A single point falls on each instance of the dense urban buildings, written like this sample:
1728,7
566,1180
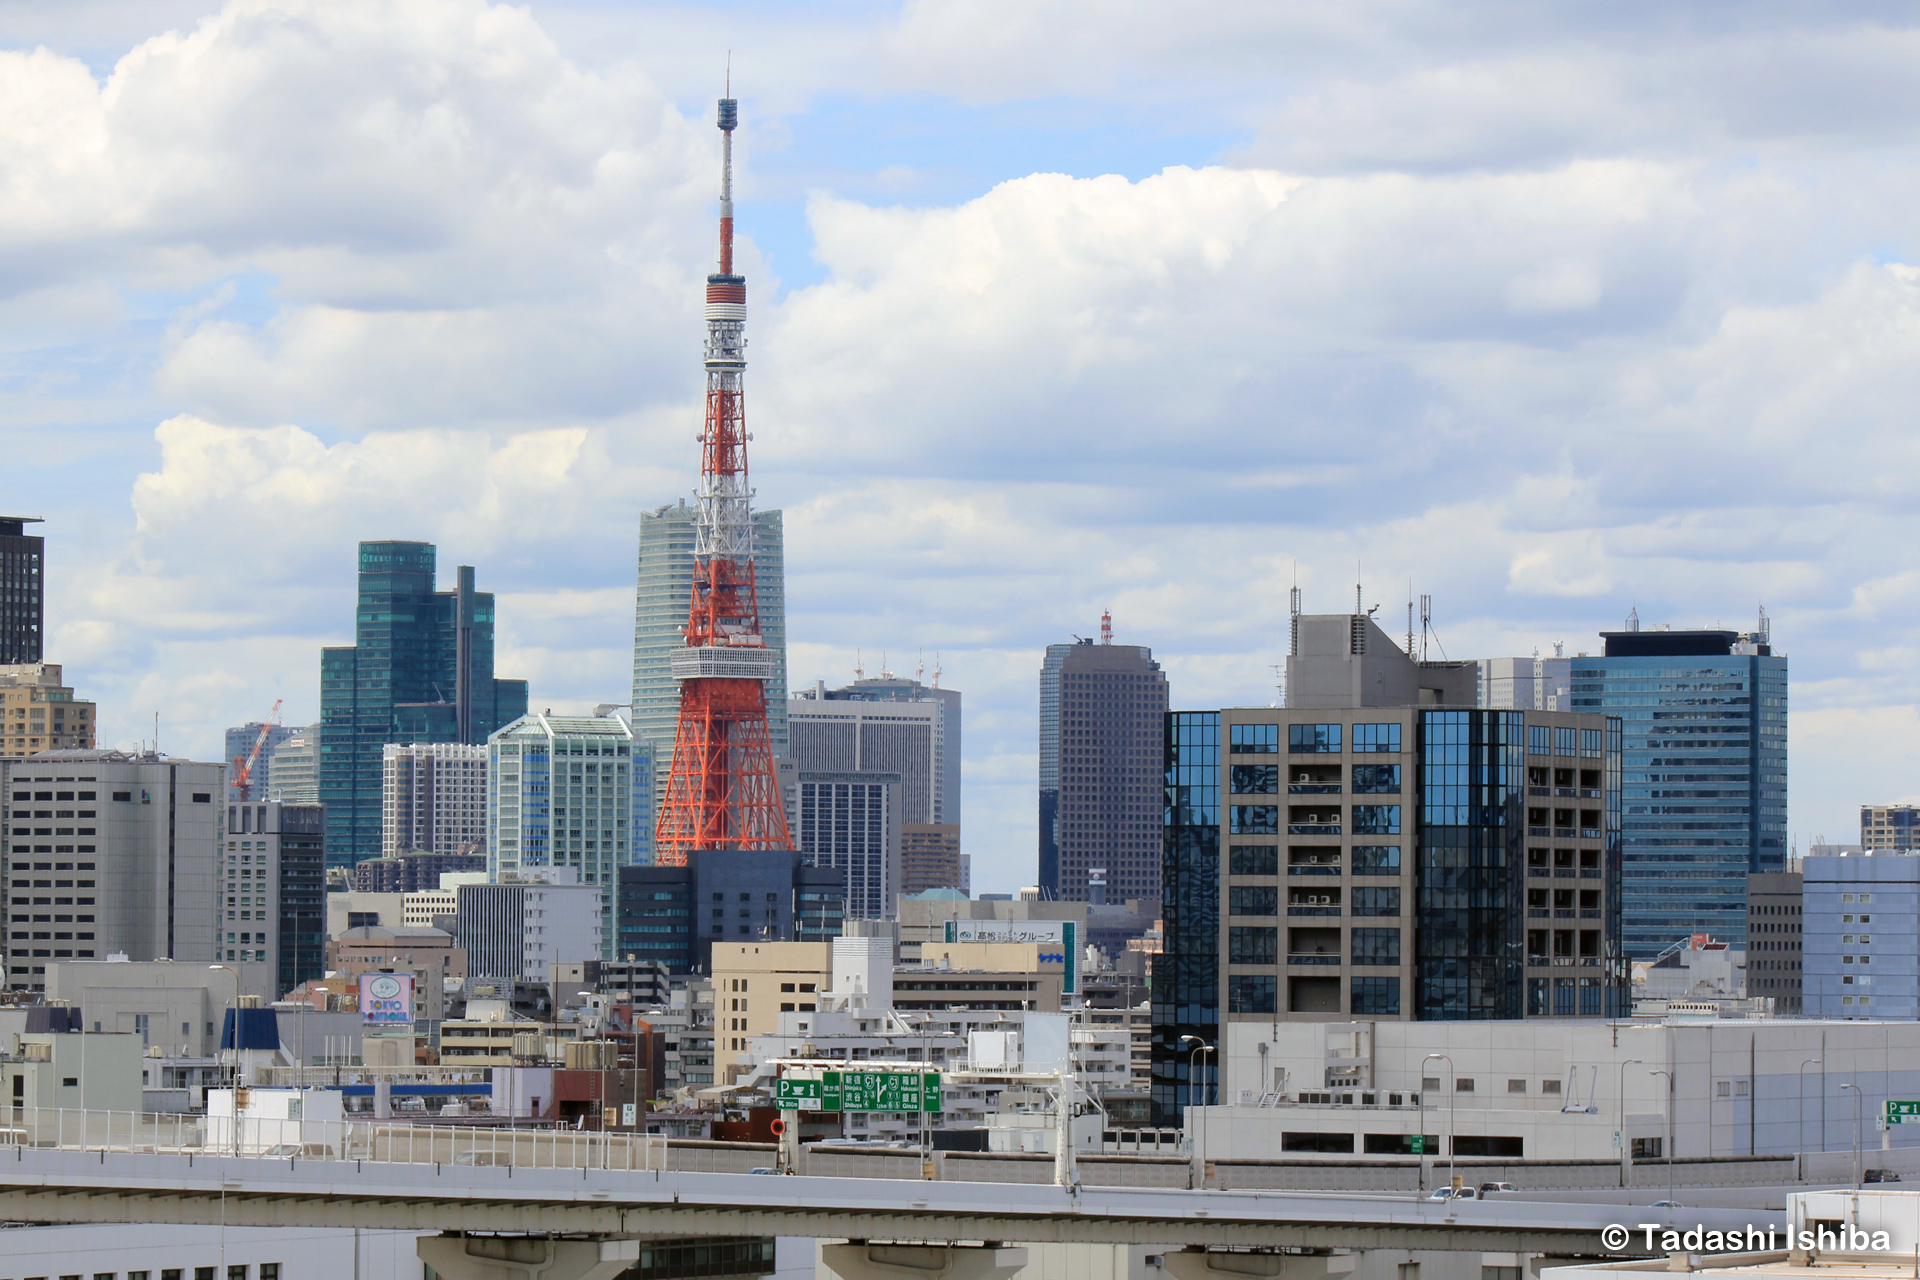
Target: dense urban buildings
415,872
23,592
1860,939
109,852
665,585
1774,963
433,798
39,713
561,795
1102,710
1527,684
1705,782
1889,826
1383,848
273,909
674,915
849,822
420,670
240,748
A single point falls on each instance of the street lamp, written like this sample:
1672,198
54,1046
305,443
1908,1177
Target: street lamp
1452,1129
1670,1153
1802,1103
1193,1082
1857,1095
1626,1174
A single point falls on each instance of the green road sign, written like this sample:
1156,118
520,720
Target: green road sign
1902,1112
912,1091
1419,1144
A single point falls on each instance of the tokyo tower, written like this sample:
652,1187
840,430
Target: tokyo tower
721,792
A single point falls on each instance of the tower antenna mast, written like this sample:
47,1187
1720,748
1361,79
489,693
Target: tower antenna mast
721,792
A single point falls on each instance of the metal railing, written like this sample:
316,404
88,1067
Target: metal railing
160,1133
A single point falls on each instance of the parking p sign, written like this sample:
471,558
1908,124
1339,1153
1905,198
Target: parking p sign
1899,1112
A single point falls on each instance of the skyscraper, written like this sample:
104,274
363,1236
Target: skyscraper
420,670
891,724
664,589
1705,774
1102,713
23,592
434,798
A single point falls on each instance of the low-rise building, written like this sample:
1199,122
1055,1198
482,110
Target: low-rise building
1774,963
428,955
172,1006
355,910
517,928
1861,936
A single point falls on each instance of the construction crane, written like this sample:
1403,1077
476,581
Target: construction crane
243,766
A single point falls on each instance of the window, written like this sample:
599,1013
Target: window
1376,946
1253,900
1516,1086
1253,819
1252,944
1310,738
1539,740
1376,779
1376,738
1250,993
1376,900
1376,819
1256,779
1398,1144
1468,1144
1549,1086
1565,741
203,797
1254,860
1499,1273
1463,1085
1254,739
1648,1148
1337,1144
1378,997
1590,744
1376,860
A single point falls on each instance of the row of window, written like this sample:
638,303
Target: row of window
1401,1144
1264,779
1264,820
235,1271
1259,944
1311,739
1308,860
1264,900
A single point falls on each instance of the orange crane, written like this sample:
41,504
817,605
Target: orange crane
243,767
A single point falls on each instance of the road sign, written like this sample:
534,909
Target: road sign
913,1091
1419,1144
1899,1112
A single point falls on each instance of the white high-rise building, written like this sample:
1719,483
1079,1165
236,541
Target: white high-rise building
1527,684
433,798
106,851
294,776
520,928
562,793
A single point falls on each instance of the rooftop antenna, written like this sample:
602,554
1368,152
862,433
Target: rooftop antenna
1633,619
921,669
885,674
1426,623
1293,612
1766,626
1356,588
1106,627
1279,670
936,668
1409,617
859,666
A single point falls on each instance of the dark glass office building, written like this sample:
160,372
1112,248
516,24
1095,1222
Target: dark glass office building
1186,973
23,592
676,914
420,670
1704,775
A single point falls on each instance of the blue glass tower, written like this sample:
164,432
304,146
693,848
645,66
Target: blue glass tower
1704,775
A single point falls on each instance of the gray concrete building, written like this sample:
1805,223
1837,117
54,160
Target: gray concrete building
433,798
171,1006
873,734
273,902
851,823
1102,715
109,852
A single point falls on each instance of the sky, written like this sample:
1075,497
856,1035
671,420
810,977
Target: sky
1547,311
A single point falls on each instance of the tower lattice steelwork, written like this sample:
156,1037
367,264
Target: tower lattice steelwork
721,793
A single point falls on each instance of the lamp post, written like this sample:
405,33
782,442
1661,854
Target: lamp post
1626,1168
602,1070
1857,1095
233,1066
1193,1090
1452,1129
1801,1102
1670,1152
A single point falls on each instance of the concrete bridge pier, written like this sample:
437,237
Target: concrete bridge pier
1255,1264
454,1256
856,1261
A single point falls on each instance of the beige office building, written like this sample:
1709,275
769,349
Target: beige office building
39,713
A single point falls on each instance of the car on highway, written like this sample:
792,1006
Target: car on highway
1496,1186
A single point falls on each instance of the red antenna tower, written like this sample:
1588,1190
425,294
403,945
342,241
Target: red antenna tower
721,792
1106,627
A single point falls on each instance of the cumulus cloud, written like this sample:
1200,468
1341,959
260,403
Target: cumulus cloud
1503,305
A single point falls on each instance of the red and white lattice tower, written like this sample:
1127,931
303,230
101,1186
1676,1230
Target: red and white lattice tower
721,793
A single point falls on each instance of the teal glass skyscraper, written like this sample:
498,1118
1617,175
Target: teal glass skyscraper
1704,775
420,670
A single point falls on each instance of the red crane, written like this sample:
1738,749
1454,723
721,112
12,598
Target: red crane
243,765
721,792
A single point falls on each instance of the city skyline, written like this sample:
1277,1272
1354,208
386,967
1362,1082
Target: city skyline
1608,382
